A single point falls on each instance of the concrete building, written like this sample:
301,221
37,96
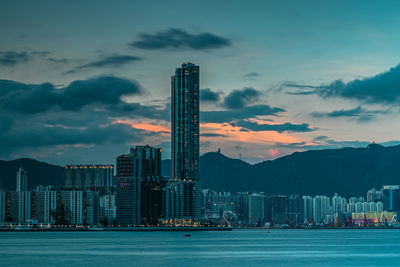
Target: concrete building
22,180
308,208
88,177
140,188
185,136
256,209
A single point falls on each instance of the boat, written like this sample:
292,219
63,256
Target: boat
187,235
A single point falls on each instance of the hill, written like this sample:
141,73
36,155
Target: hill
39,173
347,171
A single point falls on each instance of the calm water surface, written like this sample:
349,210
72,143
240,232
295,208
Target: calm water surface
236,248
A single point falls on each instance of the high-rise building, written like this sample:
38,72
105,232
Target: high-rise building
45,202
308,208
295,210
3,206
256,209
139,186
391,198
277,209
89,176
22,180
185,136
20,206
321,207
108,208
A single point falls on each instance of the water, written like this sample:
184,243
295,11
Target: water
235,248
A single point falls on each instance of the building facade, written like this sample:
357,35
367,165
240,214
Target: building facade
185,135
139,186
89,176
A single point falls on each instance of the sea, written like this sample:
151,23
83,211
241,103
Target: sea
362,247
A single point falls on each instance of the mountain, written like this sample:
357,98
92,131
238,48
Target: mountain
347,171
39,173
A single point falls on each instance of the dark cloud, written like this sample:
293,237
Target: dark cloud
212,135
252,75
361,114
41,53
285,127
241,98
178,38
58,60
51,135
381,88
11,58
30,99
221,116
111,61
207,95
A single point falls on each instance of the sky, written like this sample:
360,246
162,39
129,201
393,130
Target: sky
83,81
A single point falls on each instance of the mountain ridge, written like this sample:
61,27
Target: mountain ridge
347,171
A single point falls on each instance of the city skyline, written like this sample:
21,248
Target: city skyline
276,78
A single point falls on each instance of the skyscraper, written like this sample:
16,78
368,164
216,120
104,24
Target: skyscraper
22,180
185,123
139,188
183,194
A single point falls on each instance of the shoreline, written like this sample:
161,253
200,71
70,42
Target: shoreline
119,229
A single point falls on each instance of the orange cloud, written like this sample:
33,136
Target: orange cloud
145,126
236,133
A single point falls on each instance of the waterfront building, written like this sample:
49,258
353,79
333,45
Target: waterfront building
185,106
3,205
89,177
351,207
73,205
108,208
295,210
22,180
20,206
140,189
45,204
359,207
321,207
242,210
379,206
277,209
308,208
256,209
391,198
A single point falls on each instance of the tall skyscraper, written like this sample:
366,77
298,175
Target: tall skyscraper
139,186
22,180
185,123
184,189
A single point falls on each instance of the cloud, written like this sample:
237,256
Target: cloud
31,99
221,116
207,95
110,61
359,112
51,135
58,60
381,88
212,135
241,98
252,75
285,127
11,58
41,53
178,38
